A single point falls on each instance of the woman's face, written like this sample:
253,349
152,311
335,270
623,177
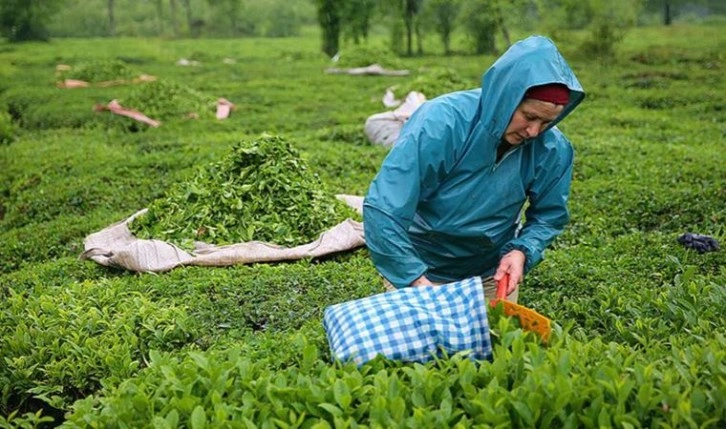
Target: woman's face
530,119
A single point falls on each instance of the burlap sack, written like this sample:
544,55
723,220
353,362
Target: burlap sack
115,246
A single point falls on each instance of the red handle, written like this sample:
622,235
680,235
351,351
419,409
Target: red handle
502,287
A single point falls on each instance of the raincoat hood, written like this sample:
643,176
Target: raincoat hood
530,62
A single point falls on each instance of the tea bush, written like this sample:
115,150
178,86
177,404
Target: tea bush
48,107
7,128
30,244
62,343
114,180
570,385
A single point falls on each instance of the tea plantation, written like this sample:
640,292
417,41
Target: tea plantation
640,340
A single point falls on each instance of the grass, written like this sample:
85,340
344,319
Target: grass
649,166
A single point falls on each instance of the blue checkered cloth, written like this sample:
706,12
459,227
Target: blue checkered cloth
412,324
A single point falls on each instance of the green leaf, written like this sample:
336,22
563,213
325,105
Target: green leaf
172,418
199,418
341,393
332,409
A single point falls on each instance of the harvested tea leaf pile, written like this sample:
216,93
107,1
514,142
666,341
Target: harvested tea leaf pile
99,71
163,100
261,191
435,82
361,56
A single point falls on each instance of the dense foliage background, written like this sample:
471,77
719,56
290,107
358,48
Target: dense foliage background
409,24
640,341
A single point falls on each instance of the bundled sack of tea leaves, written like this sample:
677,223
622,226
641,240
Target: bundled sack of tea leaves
434,82
360,56
384,128
361,61
163,100
262,190
95,71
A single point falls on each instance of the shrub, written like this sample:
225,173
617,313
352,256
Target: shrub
571,385
35,107
7,128
62,343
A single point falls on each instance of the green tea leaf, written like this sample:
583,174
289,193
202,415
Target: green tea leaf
199,418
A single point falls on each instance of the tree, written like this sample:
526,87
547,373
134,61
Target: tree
356,18
606,22
191,22
672,8
160,16
280,18
329,18
411,10
610,20
172,13
231,11
480,21
667,7
667,18
443,15
22,20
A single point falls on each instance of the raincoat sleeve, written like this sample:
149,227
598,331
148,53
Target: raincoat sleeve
547,213
424,154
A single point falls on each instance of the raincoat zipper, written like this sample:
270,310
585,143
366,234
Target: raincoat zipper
506,155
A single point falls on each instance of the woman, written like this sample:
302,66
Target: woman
446,202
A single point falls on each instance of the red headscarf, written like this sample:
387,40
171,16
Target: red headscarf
556,93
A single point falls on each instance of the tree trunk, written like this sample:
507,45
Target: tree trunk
409,14
160,16
419,37
111,19
667,18
329,20
172,13
409,36
186,4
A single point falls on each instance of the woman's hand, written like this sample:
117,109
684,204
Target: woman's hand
421,281
513,264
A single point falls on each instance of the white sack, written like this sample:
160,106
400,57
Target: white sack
384,128
373,69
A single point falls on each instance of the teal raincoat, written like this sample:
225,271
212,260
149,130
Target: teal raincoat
441,204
